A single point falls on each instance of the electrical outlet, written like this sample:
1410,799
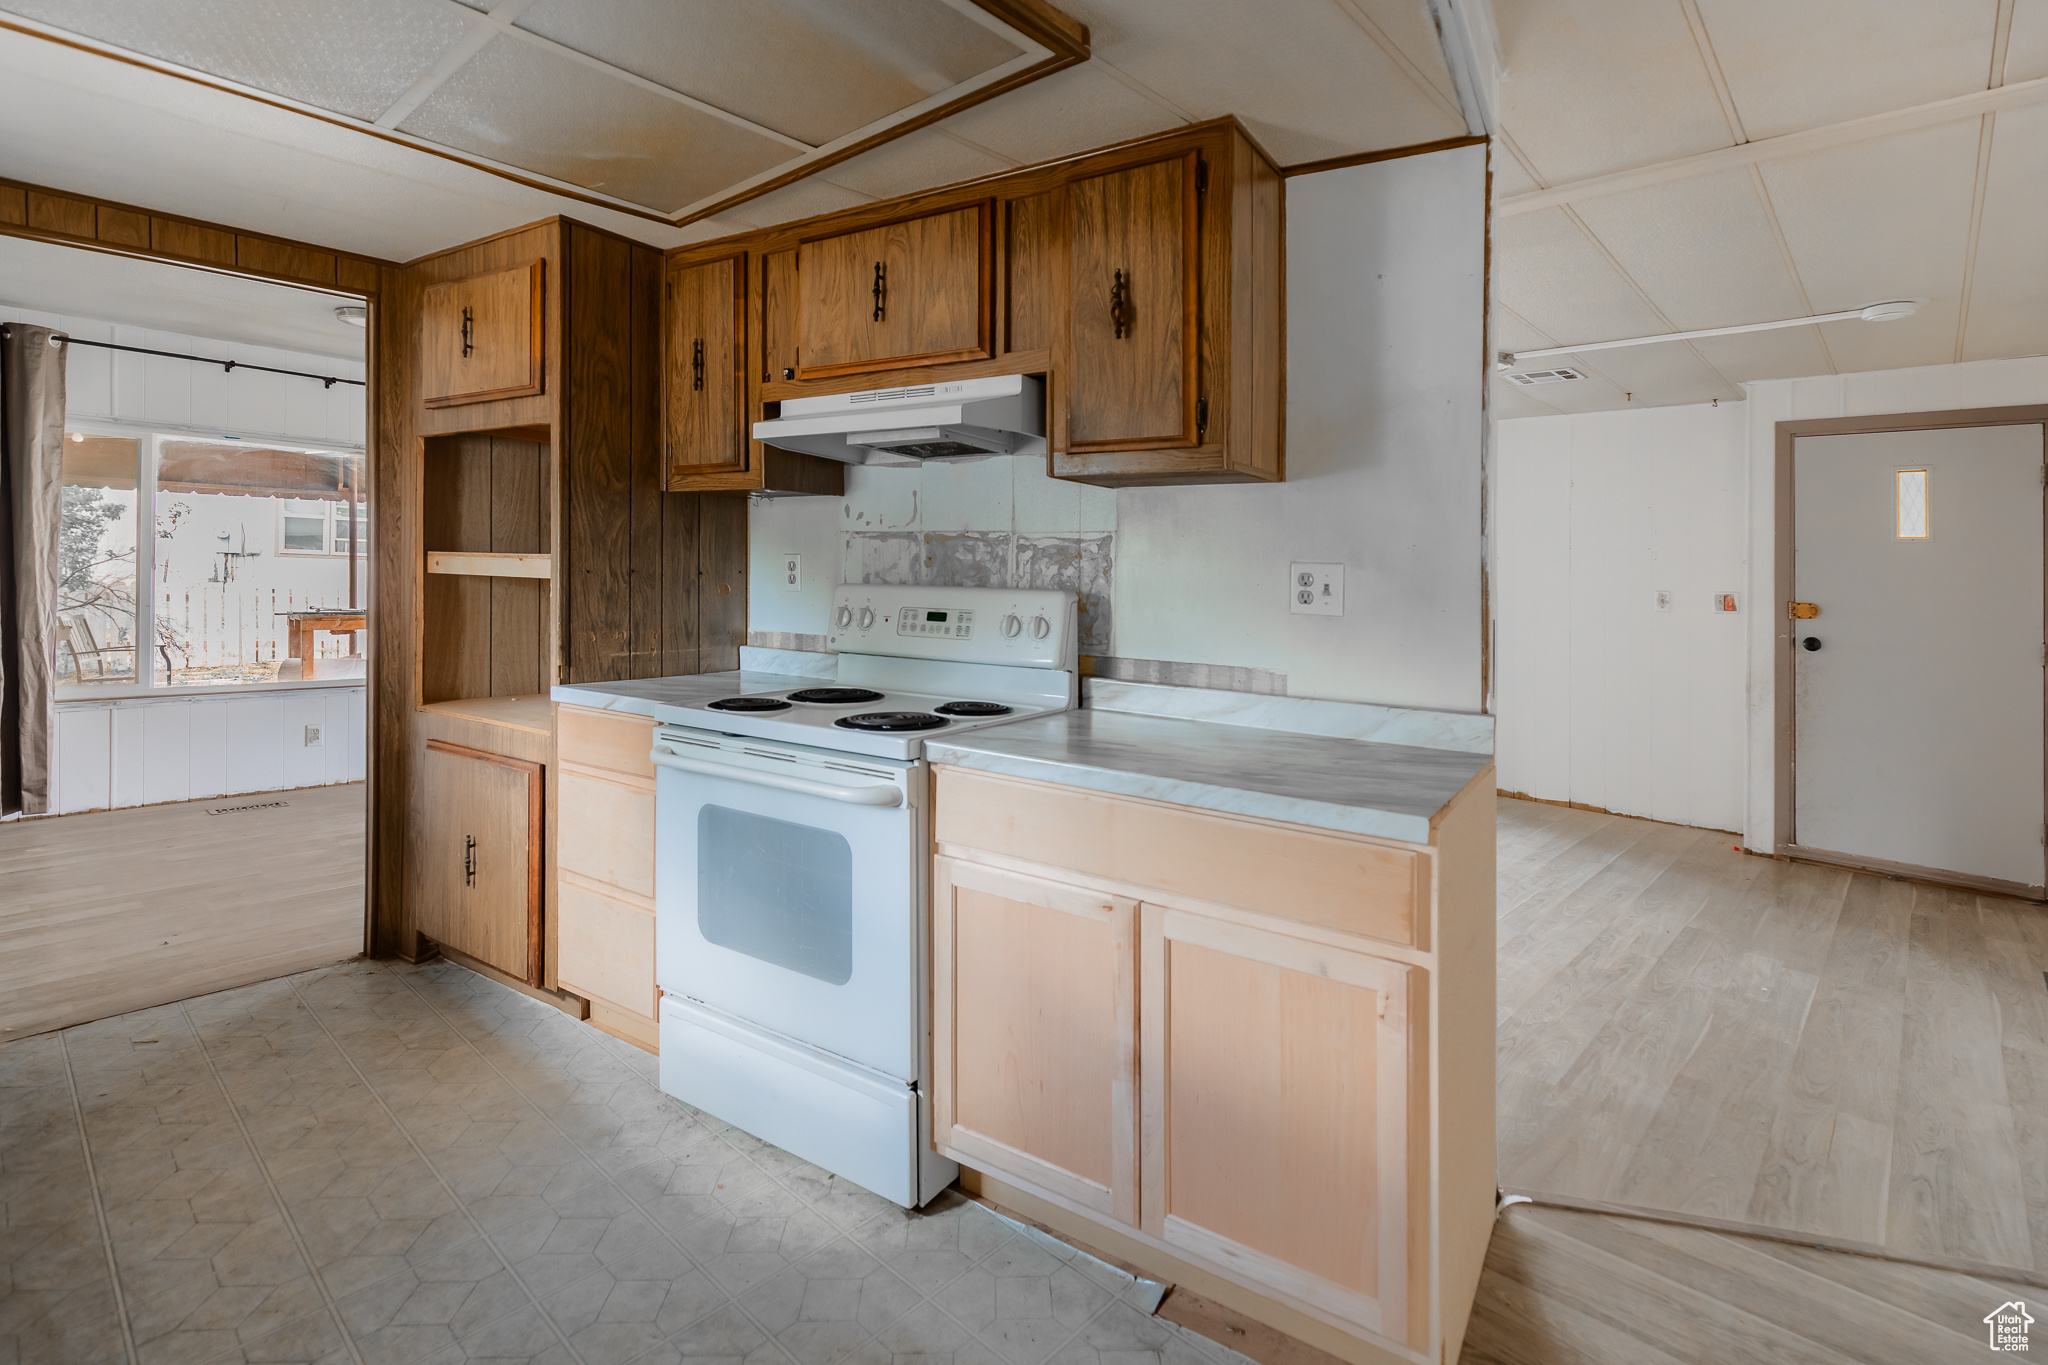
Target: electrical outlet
313,740
792,573
1663,599
1315,589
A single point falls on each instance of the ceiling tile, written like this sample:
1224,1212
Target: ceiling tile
1591,86
1701,248
1068,111
1793,353
1883,219
1554,277
1668,372
1509,177
1794,66
1305,78
2026,49
916,161
2009,297
529,107
1507,400
814,70
803,199
354,59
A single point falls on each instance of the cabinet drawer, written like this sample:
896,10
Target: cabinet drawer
606,948
605,739
605,831
910,293
1334,881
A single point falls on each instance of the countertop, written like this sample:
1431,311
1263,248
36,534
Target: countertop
656,697
1360,786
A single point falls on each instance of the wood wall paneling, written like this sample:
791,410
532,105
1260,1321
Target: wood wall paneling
122,227
778,316
61,213
265,257
13,206
1034,256
191,241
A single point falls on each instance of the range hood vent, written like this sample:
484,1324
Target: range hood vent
968,419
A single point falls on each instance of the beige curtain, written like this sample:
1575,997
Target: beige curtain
31,454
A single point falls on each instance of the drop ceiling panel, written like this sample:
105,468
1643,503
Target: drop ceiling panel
1884,219
2026,50
2009,298
1507,400
1509,177
1591,394
1591,86
1794,66
529,107
1409,28
1702,248
354,59
1792,353
802,199
814,70
1558,280
1307,79
1669,372
1069,111
916,161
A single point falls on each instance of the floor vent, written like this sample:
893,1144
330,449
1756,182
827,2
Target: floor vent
1527,378
236,810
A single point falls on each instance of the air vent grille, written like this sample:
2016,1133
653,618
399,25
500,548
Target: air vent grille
891,395
1529,378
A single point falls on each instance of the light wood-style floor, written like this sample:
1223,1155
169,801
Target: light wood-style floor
1689,1028
118,910
1568,1288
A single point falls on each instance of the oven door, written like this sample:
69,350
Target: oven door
787,891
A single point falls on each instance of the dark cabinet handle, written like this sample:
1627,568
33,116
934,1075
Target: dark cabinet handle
1119,306
881,291
1811,642
697,364
468,331
469,860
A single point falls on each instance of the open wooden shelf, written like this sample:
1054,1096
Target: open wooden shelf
532,714
490,564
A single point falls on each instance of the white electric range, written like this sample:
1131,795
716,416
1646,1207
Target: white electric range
792,867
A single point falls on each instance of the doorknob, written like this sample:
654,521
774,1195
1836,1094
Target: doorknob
1810,643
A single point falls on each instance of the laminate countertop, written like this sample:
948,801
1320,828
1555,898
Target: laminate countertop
661,698
1324,781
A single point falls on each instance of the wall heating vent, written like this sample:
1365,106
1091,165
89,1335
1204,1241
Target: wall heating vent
1526,378
237,810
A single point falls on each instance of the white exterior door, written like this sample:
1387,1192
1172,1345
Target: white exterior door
1918,720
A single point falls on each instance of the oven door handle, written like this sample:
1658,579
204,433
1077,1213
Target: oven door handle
879,794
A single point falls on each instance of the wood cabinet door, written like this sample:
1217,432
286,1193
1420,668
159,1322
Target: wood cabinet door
1132,347
1277,1098
478,853
1034,1033
910,293
480,338
704,379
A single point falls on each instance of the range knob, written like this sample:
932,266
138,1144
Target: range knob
1040,628
1012,626
844,618
867,617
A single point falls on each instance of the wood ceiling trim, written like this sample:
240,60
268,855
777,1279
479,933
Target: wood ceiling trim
1065,39
1336,163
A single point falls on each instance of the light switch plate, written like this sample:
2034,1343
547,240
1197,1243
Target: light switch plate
792,573
1315,589
313,740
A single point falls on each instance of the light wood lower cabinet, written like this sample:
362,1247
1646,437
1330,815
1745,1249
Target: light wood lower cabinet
1038,1065
477,857
604,858
1311,1141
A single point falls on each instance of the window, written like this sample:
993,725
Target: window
1912,504
245,574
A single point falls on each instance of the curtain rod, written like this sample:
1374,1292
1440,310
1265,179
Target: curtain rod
327,381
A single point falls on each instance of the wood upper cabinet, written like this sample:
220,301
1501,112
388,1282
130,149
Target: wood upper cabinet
1132,298
604,858
915,292
480,338
1034,985
703,377
476,856
1276,1112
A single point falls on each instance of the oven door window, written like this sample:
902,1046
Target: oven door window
776,891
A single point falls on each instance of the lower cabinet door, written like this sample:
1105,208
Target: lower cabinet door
1277,1095
477,857
1034,1033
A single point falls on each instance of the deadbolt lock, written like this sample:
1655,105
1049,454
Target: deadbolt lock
1801,611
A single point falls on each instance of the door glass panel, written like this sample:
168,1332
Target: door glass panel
1912,504
777,891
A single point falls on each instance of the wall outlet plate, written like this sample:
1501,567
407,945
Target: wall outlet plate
792,573
313,740
1315,589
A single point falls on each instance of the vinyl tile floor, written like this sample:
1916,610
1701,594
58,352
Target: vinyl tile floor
382,1164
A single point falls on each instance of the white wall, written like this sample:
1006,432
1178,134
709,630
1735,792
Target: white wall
1602,698
1384,427
143,751
180,395
1934,388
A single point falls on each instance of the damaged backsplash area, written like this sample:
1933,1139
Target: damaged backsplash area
992,523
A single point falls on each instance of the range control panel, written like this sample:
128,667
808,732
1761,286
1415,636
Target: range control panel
1025,627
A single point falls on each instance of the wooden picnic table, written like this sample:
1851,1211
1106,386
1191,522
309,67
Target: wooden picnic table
302,626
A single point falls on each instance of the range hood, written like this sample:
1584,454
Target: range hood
962,419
